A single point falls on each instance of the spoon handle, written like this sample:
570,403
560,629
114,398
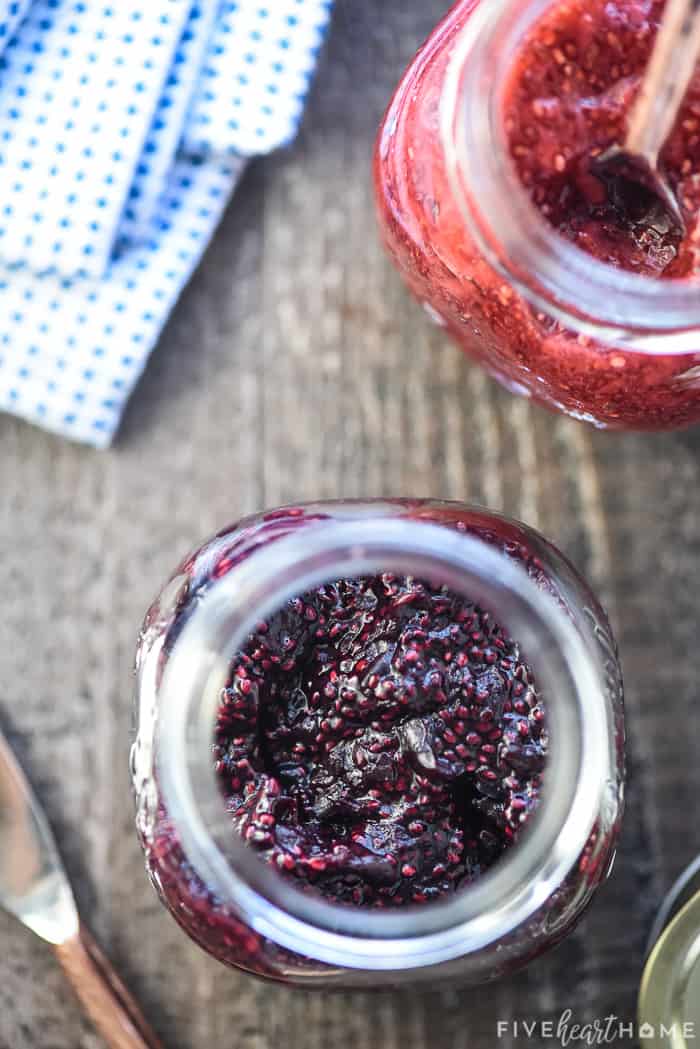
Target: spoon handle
104,997
665,80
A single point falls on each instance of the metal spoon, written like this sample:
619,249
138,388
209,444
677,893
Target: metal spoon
656,107
35,888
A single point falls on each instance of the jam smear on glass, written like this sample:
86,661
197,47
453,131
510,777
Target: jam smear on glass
380,740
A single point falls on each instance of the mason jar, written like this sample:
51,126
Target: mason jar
550,321
250,915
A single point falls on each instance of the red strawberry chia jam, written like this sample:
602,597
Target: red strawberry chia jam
486,186
380,739
567,100
378,742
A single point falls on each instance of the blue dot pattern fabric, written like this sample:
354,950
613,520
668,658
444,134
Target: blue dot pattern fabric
124,128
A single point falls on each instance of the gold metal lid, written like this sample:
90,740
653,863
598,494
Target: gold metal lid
682,890
669,997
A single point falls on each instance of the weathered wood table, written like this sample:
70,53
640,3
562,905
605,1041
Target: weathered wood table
295,366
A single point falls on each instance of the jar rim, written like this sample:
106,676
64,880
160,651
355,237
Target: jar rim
603,302
501,899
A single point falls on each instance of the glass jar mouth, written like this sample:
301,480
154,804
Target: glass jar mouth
499,901
597,300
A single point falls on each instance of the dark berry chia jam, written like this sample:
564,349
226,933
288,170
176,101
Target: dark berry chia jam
567,100
380,740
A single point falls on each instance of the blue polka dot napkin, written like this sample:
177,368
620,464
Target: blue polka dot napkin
124,128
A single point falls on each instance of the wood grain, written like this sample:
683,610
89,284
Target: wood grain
295,366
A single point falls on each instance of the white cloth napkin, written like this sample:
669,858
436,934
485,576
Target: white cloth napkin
124,127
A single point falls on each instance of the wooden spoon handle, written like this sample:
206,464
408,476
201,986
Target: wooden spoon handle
666,79
104,997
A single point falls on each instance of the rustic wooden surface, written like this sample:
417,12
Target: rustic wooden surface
295,366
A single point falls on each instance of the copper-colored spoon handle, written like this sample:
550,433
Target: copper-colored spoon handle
104,997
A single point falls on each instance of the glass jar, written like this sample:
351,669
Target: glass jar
243,911
546,319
